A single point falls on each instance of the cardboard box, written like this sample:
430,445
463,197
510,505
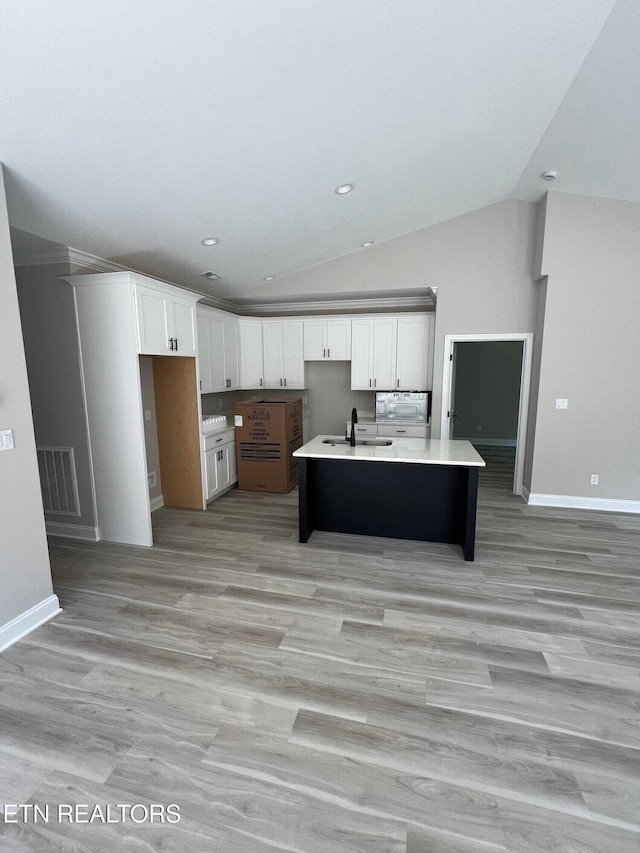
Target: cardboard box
267,433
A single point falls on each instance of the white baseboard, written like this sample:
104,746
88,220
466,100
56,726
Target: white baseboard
28,621
575,502
156,503
525,493
72,531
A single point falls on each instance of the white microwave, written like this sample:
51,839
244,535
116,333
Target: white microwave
407,407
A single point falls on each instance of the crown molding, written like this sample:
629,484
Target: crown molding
355,305
76,258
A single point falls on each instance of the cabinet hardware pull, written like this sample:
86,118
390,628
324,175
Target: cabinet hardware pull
218,439
171,344
397,383
176,340
375,382
324,353
369,383
401,430
201,384
285,382
328,353
261,382
281,383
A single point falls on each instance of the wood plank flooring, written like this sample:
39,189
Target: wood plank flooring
352,694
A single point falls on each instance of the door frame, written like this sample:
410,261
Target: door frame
525,386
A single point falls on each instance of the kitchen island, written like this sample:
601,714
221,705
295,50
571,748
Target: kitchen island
408,488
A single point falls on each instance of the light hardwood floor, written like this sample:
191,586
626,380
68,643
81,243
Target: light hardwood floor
351,694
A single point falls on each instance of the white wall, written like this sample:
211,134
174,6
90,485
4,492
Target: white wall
26,592
591,351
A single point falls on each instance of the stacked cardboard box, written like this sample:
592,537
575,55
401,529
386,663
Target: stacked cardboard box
267,433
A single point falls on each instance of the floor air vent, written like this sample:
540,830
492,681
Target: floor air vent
58,480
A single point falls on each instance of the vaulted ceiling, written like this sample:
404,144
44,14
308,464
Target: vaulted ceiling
133,129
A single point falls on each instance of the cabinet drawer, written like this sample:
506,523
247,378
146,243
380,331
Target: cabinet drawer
406,430
218,439
362,429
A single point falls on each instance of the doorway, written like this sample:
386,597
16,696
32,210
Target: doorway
485,393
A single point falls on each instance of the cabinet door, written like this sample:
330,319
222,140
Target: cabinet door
184,326
212,472
224,465
413,353
204,353
315,343
272,353
338,340
250,334
154,321
292,355
231,358
384,354
217,352
362,355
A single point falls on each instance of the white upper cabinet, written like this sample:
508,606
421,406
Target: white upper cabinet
391,353
217,350
413,353
166,321
250,337
283,356
327,340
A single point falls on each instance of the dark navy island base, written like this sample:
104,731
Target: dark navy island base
432,503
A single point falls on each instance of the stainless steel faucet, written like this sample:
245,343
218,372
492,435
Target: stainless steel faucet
354,420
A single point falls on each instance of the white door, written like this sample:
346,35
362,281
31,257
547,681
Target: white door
153,321
217,352
384,354
412,354
292,355
184,326
362,355
339,340
231,358
204,353
315,344
272,351
250,353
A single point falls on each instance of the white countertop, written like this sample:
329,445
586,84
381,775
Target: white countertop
426,451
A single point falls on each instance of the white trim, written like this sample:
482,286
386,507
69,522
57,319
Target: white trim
577,502
72,531
524,492
525,382
28,621
156,503
395,304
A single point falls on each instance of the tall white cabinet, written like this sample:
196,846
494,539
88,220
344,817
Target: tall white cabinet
218,355
120,316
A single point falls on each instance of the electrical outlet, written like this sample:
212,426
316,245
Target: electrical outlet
304,401
479,427
595,479
562,404
147,414
151,479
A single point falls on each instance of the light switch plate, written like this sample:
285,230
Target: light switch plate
6,439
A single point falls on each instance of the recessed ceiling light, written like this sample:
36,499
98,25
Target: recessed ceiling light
268,278
344,188
551,175
210,275
210,241
368,243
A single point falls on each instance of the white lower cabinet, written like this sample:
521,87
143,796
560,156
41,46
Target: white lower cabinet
220,463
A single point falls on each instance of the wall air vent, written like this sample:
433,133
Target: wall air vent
212,276
58,480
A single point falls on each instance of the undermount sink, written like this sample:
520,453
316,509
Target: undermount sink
360,442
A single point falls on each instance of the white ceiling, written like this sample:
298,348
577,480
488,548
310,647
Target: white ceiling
132,129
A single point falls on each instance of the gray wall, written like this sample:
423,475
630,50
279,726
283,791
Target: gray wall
487,391
150,426
25,575
591,350
55,380
481,264
331,398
